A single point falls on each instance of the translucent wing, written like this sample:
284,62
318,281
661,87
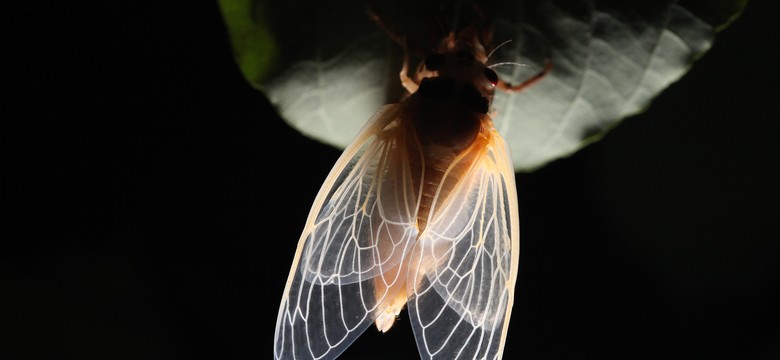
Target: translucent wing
359,231
465,263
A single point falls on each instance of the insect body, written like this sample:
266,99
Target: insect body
419,211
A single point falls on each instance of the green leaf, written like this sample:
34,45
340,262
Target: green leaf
253,44
610,59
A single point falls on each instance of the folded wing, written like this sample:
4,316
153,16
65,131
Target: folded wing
359,230
465,264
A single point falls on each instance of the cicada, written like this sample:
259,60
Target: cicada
420,211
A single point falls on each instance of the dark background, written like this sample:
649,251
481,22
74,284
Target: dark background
153,201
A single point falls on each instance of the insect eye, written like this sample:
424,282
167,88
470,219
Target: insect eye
434,62
491,76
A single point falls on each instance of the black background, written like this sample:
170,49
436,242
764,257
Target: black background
153,201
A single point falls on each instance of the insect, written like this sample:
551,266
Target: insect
420,211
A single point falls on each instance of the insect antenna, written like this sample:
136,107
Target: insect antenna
505,63
496,48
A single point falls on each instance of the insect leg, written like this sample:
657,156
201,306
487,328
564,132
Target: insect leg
408,83
398,39
504,86
392,34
